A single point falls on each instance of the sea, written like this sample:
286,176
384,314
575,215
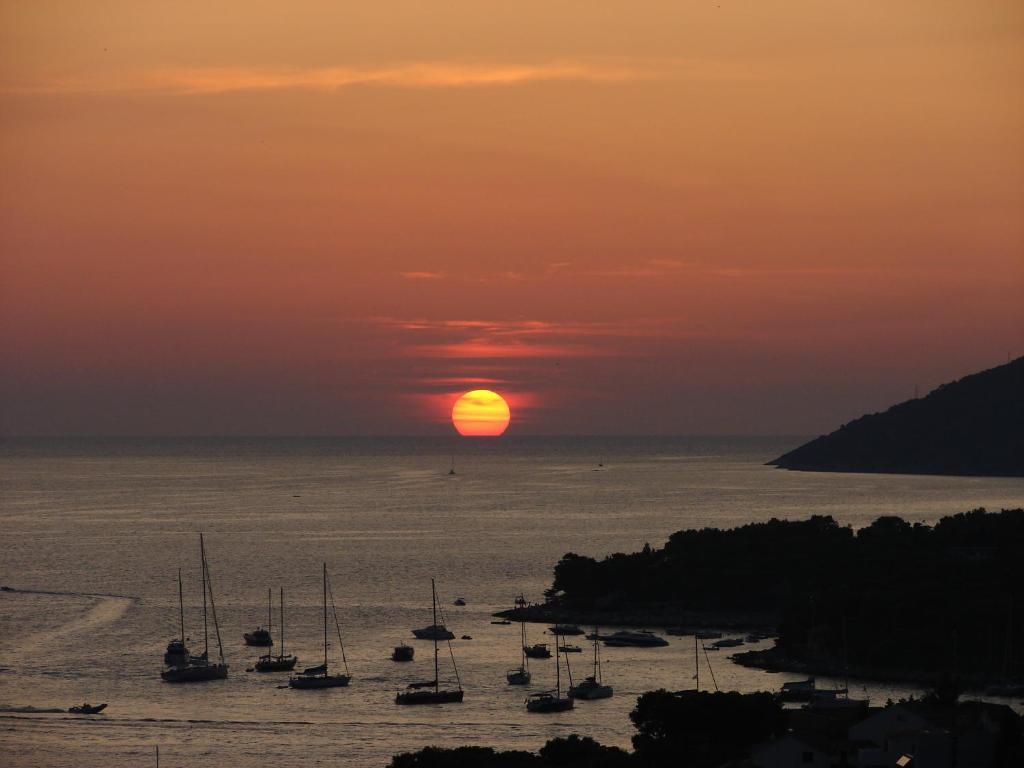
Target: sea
94,531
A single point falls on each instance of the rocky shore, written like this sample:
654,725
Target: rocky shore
652,615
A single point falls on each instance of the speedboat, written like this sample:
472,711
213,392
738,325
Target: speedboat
548,701
590,689
434,632
259,637
87,709
565,629
537,651
403,652
638,639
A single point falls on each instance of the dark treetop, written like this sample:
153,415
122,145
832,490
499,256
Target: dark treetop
894,596
974,426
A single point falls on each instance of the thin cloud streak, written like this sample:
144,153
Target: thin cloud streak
217,80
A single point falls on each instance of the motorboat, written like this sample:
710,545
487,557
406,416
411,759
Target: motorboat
460,601
570,649
537,651
403,652
636,639
87,709
729,642
434,632
565,629
259,637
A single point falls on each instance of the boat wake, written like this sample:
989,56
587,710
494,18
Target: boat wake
105,610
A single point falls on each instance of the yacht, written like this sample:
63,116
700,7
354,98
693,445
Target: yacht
637,639
320,676
434,632
592,687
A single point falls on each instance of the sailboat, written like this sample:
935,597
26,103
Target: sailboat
452,470
280,662
176,654
421,693
521,675
592,687
320,677
199,669
552,701
262,636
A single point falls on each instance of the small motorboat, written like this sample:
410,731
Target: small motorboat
548,701
537,651
259,637
460,601
638,639
87,709
729,642
570,649
434,632
467,637
565,629
403,652
502,623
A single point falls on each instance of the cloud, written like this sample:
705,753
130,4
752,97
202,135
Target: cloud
422,275
216,80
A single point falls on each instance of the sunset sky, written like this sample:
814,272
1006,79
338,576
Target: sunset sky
626,217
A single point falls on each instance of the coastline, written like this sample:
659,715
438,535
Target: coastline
656,615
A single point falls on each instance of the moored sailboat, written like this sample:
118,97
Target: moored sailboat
281,662
320,676
421,693
521,675
552,701
200,669
592,687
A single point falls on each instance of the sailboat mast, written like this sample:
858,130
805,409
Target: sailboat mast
433,609
181,608
696,659
558,670
270,619
206,630
325,618
282,621
597,662
213,608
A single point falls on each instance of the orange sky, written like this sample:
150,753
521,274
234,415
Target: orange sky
626,217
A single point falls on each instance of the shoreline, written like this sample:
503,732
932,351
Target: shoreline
657,615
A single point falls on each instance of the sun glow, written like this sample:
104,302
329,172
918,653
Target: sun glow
481,413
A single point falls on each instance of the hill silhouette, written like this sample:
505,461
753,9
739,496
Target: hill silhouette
974,426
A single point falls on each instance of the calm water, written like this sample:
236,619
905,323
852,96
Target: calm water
100,528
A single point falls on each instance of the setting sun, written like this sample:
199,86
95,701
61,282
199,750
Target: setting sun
480,413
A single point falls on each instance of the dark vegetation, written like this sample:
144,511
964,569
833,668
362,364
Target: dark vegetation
974,426
946,599
688,729
698,730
